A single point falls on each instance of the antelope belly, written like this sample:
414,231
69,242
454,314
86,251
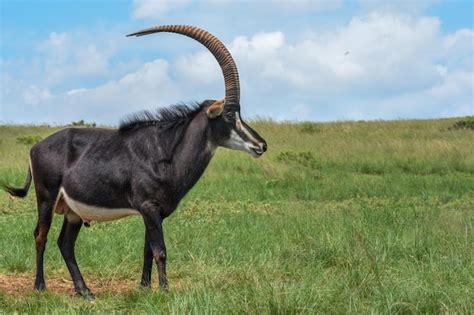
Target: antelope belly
95,213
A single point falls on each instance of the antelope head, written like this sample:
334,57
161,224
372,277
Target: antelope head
227,127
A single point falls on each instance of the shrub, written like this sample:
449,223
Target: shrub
371,168
309,127
82,123
304,158
467,124
29,140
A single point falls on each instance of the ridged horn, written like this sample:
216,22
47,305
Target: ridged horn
220,52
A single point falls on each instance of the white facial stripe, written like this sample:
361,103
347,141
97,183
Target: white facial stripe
245,130
235,141
238,122
94,213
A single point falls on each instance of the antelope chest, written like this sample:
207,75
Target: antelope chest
65,204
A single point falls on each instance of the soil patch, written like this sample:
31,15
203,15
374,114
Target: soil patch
18,285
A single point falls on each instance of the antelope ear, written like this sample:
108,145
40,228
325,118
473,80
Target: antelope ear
215,109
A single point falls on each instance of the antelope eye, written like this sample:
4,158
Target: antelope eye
230,115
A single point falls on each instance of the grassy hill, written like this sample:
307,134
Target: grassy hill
337,217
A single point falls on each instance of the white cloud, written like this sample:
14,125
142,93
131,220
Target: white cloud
198,68
305,5
451,97
159,9
156,9
76,91
400,6
458,49
376,59
34,95
148,87
66,56
378,65
373,51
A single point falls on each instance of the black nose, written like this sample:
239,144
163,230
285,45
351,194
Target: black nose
264,147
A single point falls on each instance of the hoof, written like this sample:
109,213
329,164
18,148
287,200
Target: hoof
86,295
145,286
145,283
40,287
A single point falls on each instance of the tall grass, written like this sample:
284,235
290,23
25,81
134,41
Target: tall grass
349,217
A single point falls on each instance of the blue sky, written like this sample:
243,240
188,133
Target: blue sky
298,60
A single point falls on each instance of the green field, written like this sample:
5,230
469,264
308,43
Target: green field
347,217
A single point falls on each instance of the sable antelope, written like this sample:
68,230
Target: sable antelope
145,167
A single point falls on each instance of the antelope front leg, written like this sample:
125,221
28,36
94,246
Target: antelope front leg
147,262
154,230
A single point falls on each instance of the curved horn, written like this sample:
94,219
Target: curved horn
220,52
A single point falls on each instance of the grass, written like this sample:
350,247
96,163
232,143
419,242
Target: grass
347,217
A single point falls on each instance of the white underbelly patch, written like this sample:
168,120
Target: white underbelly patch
95,213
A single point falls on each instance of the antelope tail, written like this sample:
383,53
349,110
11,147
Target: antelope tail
19,192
